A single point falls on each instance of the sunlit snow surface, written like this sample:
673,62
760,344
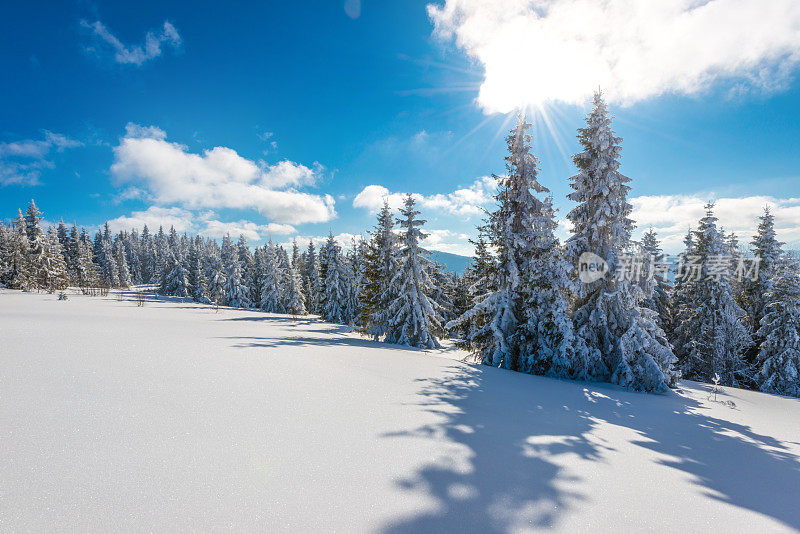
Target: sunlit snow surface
174,417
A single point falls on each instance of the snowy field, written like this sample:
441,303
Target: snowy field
173,417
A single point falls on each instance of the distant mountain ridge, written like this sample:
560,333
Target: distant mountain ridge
454,263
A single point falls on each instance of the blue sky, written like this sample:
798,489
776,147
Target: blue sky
292,119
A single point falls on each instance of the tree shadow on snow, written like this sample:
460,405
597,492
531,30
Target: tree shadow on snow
512,431
322,341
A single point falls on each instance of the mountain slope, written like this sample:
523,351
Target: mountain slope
171,417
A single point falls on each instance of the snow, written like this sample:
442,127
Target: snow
174,417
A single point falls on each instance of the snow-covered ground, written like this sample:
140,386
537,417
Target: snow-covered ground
174,417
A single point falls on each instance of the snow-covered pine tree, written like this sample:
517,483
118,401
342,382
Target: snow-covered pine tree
19,275
160,253
86,271
37,248
134,258
5,253
235,291
414,316
335,290
769,252
624,343
216,286
503,331
73,254
381,265
354,270
175,280
779,354
481,280
247,263
311,278
316,290
122,263
63,240
56,267
681,296
198,287
296,256
147,257
282,262
659,300
443,290
547,335
270,298
712,328
293,296
106,264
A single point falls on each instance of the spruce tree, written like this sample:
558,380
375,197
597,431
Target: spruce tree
294,299
19,275
414,316
779,352
198,287
235,292
712,330
37,248
175,281
769,253
624,343
270,298
122,263
510,229
381,265
335,291
659,294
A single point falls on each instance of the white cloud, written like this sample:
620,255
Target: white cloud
534,51
251,230
203,223
154,217
135,54
465,202
345,240
216,178
672,215
22,162
448,241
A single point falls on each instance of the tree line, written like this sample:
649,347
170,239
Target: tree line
522,304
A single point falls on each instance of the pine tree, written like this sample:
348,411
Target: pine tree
294,295
335,292
73,255
779,354
550,346
270,286
624,343
315,290
769,254
712,331
175,280
659,294
235,292
55,266
503,330
414,315
87,274
481,281
37,248
120,258
19,275
307,269
198,288
381,265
